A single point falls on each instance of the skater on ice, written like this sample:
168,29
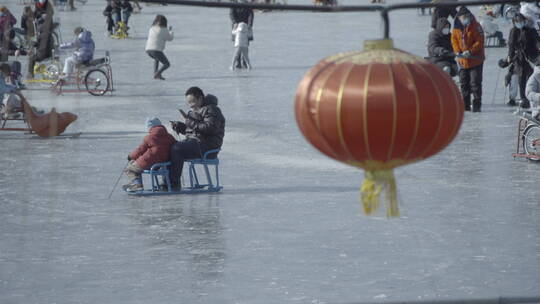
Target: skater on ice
241,46
158,36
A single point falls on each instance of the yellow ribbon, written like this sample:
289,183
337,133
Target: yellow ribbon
375,183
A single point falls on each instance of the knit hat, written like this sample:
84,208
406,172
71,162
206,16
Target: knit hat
152,122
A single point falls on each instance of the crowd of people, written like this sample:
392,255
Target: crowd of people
203,126
460,51
457,46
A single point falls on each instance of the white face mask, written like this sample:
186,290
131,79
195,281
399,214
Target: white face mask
446,31
465,21
520,25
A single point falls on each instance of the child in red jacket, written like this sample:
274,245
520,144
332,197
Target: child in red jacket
156,148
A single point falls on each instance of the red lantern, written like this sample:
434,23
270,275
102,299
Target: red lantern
377,110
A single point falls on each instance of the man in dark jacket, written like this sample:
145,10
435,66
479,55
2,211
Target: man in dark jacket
43,46
203,127
440,47
523,44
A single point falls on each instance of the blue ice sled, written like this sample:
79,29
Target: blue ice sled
162,169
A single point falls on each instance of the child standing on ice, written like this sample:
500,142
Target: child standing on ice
241,43
156,148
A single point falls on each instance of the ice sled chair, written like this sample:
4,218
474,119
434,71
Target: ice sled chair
162,169
494,41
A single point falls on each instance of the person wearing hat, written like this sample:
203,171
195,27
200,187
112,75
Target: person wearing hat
468,44
203,127
523,44
155,148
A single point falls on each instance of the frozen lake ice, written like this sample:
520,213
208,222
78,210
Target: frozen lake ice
288,226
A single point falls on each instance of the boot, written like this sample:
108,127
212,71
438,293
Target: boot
477,105
511,103
467,101
525,104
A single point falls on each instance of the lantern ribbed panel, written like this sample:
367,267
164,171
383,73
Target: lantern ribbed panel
378,109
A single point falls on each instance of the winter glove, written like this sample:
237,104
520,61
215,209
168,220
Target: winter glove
503,63
178,127
467,54
129,158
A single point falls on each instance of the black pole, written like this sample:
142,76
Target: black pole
337,9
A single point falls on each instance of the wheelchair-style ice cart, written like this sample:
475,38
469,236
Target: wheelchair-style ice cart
15,117
528,138
94,77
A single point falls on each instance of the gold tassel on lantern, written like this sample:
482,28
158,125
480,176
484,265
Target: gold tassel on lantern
375,183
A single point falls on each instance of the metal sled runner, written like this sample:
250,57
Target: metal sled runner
163,169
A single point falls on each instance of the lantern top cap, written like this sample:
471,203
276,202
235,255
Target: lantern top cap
379,44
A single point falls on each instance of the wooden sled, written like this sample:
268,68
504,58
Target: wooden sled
48,124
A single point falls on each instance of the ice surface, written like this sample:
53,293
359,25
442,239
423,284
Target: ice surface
288,227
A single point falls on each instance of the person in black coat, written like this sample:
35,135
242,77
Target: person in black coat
126,9
108,13
440,47
203,127
523,48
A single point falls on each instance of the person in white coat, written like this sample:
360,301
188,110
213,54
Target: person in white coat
531,11
157,37
84,50
241,44
491,28
532,90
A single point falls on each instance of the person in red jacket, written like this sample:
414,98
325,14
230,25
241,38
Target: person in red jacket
156,148
468,44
